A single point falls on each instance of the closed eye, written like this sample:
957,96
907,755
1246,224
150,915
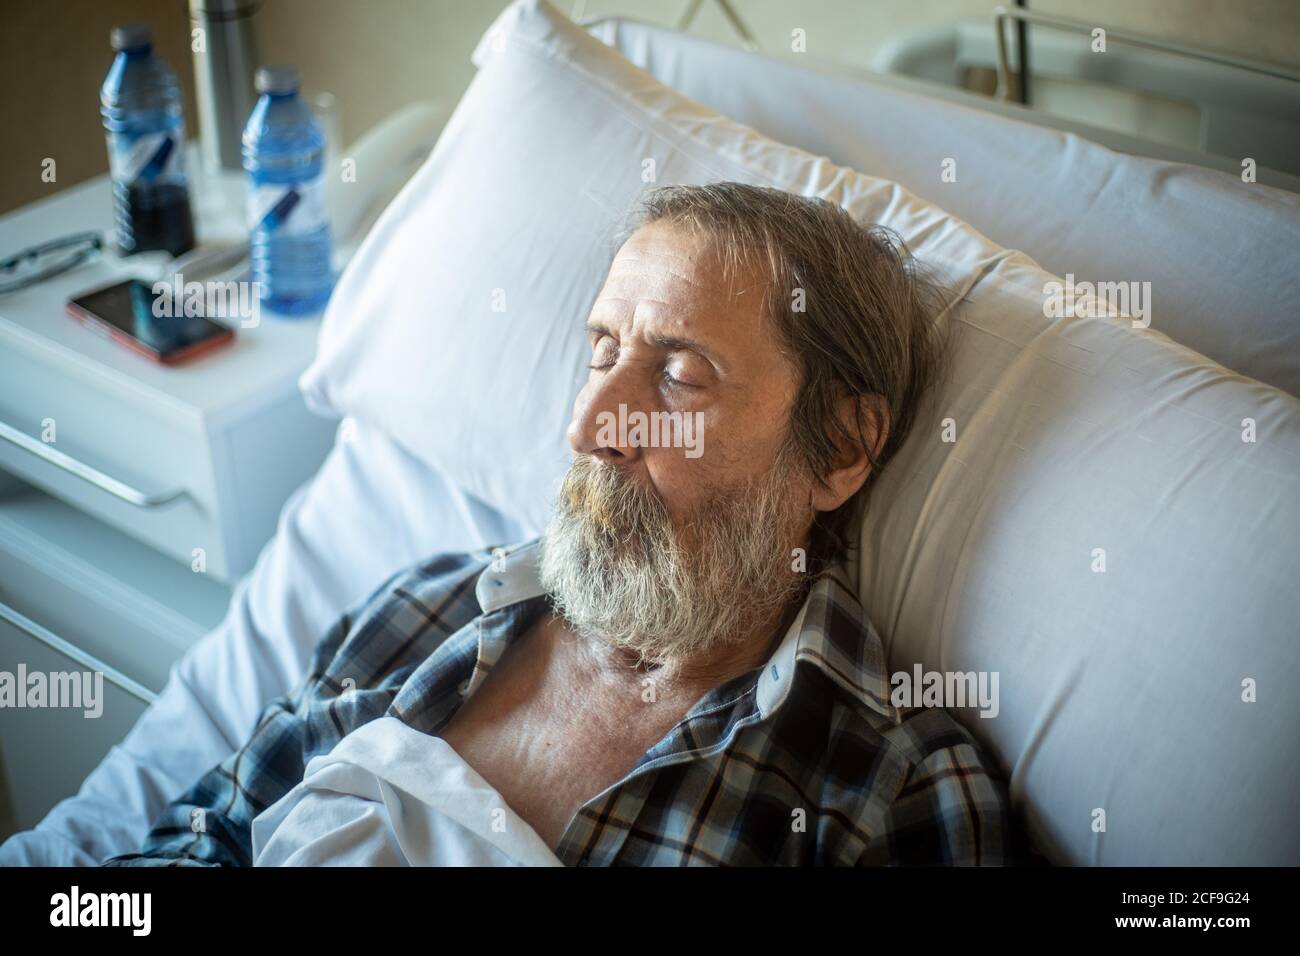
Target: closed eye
667,376
604,352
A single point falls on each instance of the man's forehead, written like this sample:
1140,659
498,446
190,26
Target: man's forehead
669,281
667,241
663,263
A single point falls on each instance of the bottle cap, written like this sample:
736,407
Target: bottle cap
276,79
131,36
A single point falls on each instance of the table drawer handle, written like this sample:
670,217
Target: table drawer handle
68,649
118,489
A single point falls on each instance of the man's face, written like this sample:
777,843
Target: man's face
667,336
652,548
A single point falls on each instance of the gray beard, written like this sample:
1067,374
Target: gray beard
619,573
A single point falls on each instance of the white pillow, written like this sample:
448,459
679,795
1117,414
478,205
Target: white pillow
518,205
1104,536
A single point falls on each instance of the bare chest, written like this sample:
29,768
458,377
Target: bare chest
549,735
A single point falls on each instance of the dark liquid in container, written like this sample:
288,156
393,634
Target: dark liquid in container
153,216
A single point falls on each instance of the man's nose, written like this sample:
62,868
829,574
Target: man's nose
601,423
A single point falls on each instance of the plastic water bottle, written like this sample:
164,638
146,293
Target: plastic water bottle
141,106
284,153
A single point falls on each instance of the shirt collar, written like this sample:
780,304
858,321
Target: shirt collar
831,632
511,577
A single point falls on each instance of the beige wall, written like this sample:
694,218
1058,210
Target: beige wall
379,54
53,58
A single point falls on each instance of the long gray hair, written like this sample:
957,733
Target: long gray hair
853,310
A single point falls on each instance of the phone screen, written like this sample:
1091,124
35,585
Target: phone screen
129,307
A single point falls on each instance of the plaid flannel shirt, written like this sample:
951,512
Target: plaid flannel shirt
801,761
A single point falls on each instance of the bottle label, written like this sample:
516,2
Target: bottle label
290,209
149,158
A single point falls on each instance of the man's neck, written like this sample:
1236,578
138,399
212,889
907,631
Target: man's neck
698,672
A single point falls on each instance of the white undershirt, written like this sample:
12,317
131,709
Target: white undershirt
389,795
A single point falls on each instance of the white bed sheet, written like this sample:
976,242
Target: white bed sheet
371,510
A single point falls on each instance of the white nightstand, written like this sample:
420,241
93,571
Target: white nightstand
157,465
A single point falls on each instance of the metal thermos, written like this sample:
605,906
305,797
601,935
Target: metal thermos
225,58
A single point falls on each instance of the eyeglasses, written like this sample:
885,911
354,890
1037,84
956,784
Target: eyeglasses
38,263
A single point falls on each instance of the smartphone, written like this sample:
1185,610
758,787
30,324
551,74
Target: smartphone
155,326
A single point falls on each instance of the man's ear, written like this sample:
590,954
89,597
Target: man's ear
866,416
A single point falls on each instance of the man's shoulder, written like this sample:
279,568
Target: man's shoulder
438,588
954,805
920,783
922,732
913,738
446,574
439,574
405,617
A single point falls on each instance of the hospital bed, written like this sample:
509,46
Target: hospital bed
1125,731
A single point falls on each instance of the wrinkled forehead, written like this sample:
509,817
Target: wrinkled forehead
670,265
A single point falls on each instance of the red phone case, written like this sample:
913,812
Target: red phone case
93,321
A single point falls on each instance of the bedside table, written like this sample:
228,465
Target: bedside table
194,459
133,495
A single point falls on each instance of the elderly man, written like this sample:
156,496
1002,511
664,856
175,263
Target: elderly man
677,672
